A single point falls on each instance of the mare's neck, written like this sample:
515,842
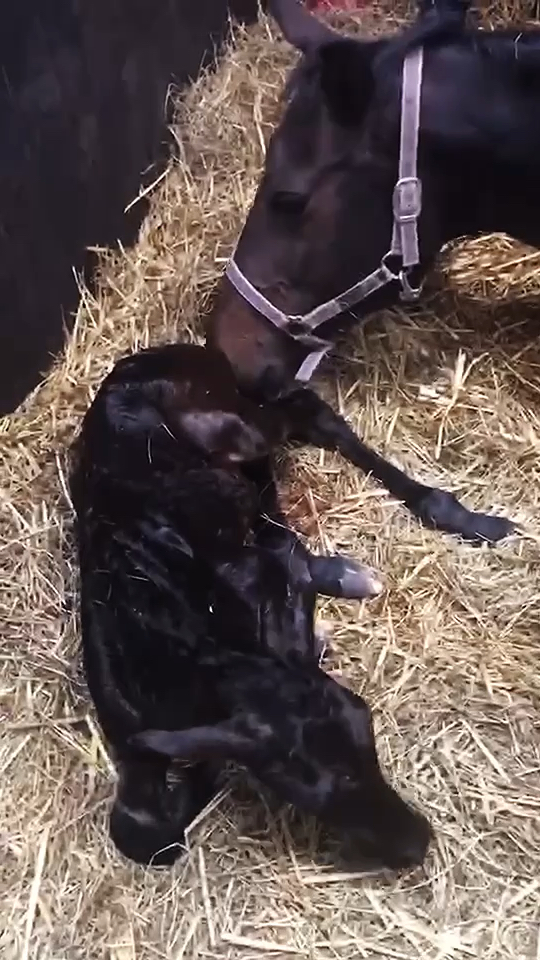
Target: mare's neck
502,200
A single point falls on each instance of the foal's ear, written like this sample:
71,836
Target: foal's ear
220,741
347,79
204,428
224,433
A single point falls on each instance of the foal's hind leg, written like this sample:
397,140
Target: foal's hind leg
312,421
149,817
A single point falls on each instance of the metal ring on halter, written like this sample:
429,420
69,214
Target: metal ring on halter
298,326
408,293
392,275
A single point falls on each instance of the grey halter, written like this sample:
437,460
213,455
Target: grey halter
406,205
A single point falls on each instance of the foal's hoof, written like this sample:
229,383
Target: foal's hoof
344,578
359,582
323,631
148,825
145,839
440,510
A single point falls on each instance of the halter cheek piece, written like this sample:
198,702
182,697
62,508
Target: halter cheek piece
406,206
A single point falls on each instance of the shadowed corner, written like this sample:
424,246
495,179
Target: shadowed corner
85,103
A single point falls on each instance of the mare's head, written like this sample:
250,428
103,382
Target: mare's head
322,218
311,741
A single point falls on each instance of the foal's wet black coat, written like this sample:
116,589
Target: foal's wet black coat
321,220
197,608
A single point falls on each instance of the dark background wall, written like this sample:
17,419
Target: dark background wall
83,89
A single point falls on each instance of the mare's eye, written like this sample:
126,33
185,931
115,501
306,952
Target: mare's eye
286,201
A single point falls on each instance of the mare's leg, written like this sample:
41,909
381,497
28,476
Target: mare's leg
312,421
149,816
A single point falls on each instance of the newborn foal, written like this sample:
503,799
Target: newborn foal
197,607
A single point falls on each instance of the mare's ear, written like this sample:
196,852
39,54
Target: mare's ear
347,79
299,27
220,741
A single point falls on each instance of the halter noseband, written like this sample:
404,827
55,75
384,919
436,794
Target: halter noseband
406,208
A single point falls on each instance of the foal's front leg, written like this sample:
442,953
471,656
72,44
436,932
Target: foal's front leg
333,575
337,576
312,421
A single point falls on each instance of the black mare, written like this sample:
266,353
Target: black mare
323,216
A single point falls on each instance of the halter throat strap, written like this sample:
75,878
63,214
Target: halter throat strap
406,208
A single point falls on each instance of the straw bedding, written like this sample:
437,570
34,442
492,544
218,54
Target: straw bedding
448,656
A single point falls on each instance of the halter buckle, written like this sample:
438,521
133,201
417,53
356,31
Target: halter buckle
407,199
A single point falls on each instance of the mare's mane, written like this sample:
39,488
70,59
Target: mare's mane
510,47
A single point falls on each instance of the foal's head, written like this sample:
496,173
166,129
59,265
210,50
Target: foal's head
155,399
322,217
